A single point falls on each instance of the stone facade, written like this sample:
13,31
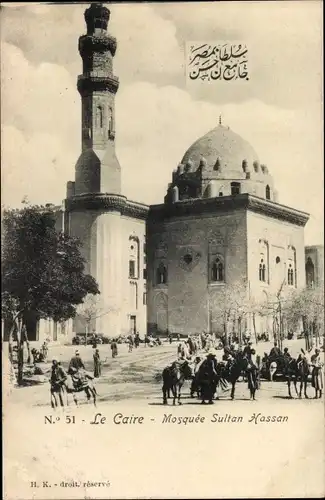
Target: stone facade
188,239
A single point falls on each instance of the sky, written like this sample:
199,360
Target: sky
158,113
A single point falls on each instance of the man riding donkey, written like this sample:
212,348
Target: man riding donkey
77,370
275,359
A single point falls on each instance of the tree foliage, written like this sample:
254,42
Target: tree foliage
43,272
42,269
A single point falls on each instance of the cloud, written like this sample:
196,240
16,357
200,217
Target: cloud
35,167
147,43
151,141
37,98
285,51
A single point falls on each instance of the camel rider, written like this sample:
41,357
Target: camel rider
75,364
58,375
247,352
286,353
275,352
228,357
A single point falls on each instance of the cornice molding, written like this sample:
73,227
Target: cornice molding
201,206
196,207
88,83
107,202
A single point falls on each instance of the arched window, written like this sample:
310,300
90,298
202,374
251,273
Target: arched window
218,271
267,192
99,117
310,273
235,188
161,275
262,271
292,267
290,275
133,257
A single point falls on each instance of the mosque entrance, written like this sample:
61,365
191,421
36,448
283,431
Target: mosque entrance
162,321
133,324
161,312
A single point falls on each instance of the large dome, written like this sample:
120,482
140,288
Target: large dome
224,145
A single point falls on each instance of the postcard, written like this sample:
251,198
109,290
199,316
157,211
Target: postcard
162,250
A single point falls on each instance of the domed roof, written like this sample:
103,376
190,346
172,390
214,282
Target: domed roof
223,144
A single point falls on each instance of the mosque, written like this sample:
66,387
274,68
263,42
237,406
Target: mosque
220,231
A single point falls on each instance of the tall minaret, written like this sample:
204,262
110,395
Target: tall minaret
97,169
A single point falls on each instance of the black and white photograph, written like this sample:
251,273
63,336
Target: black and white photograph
162,250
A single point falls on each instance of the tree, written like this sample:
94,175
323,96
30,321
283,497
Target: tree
42,273
89,310
307,305
229,305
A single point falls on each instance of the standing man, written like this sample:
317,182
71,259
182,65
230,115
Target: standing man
97,364
317,374
114,348
57,381
252,373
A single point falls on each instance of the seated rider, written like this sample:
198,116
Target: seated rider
275,352
247,352
286,353
228,357
75,364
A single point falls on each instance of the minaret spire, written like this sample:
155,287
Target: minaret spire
98,171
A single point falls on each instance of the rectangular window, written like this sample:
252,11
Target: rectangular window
235,188
144,273
144,299
131,268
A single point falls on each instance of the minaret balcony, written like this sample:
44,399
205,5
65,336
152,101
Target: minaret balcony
88,44
97,81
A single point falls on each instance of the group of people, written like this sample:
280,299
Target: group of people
314,361
133,341
76,369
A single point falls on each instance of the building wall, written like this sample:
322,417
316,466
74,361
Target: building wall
188,300
272,239
105,238
133,289
281,239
